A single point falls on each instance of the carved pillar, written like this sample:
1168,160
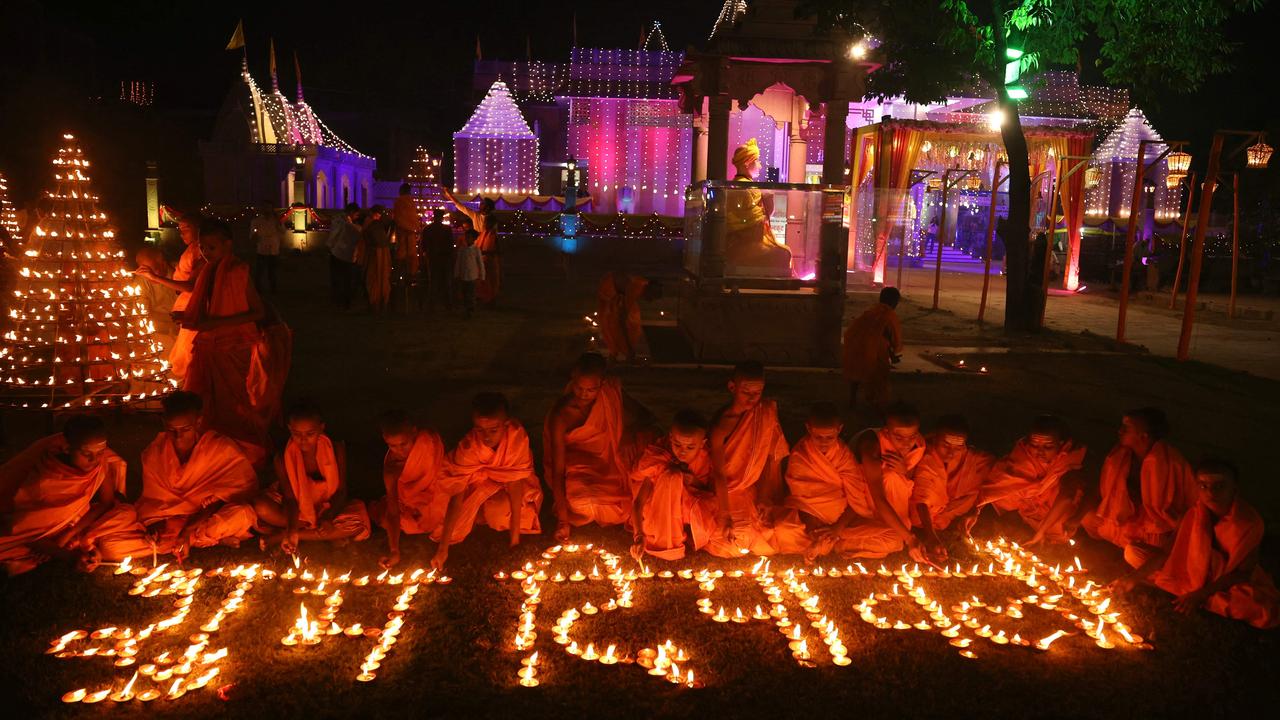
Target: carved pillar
718,137
699,170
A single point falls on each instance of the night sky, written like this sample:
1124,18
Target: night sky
385,78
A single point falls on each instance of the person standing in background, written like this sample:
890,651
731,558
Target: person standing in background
344,235
268,233
437,245
469,270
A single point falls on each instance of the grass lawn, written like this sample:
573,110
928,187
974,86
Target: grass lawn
455,655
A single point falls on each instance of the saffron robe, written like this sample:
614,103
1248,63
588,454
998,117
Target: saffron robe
313,494
172,491
754,443
597,459
1206,548
485,473
188,268
1020,482
423,488
819,485
227,370
619,314
675,501
52,496
869,536
1167,487
868,342
948,490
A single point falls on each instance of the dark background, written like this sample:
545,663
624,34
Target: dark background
385,77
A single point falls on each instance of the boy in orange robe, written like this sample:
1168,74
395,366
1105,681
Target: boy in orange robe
182,281
62,501
589,444
1214,559
227,369
197,485
1146,486
495,465
877,521
619,295
419,492
947,480
1040,479
821,474
309,500
671,483
871,344
747,448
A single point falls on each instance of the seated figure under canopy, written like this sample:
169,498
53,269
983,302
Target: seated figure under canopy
749,245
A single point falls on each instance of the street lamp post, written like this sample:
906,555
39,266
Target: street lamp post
1259,155
1182,243
942,226
1131,233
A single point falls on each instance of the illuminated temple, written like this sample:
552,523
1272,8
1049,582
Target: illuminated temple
266,148
618,114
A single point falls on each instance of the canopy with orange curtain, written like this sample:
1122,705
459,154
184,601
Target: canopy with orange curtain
1071,195
912,145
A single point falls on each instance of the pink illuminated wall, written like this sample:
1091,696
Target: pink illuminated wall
637,152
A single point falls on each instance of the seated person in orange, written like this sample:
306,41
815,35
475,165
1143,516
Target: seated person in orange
1213,562
226,369
821,472
749,247
419,492
877,521
619,295
494,464
747,449
1146,486
309,500
62,500
197,486
672,487
947,480
589,443
1041,479
872,343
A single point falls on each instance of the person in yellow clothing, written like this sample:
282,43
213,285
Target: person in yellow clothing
750,247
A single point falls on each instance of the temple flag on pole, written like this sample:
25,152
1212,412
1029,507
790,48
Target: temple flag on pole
237,38
478,48
575,29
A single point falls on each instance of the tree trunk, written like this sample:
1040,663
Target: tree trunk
1022,295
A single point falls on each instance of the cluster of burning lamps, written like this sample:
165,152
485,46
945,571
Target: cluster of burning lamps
171,675
1060,588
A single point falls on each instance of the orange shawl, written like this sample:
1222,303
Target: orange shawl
619,302
754,441
222,290
897,487
217,471
1207,548
670,503
1020,482
485,471
423,487
595,471
820,483
949,492
312,495
869,340
53,495
1168,490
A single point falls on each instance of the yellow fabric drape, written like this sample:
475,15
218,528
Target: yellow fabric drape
903,151
865,143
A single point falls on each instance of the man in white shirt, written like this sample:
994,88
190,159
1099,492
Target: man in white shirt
268,233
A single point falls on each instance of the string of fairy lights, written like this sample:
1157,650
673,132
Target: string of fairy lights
79,332
424,181
496,151
8,215
1107,191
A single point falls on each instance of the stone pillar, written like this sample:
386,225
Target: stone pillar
797,152
698,172
153,199
718,137
833,247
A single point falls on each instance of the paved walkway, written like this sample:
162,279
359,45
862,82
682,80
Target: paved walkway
1250,343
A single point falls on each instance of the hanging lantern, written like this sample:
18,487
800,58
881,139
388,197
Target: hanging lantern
972,182
926,146
1179,163
1173,181
1092,177
953,151
1259,155
934,183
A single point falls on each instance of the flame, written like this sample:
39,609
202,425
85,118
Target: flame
1045,642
